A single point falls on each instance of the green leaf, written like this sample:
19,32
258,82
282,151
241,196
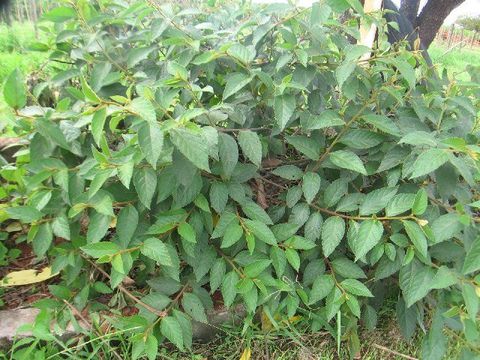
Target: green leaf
279,260
261,231
415,280
186,231
347,268
416,235
150,139
428,162
193,146
100,249
217,273
354,306
407,319
15,92
444,278
193,306
361,139
242,53
313,226
399,204
256,268
42,240
218,196
145,182
90,95
228,152
472,260
98,123
383,123
60,14
310,185
393,157
202,203
327,118
98,180
368,235
305,145
334,192
434,345
61,227
333,230
229,288
407,71
156,250
446,227
289,172
26,214
322,286
125,172
300,243
294,194
224,221
138,54
151,347
171,329
348,160
127,222
471,300
186,326
283,106
377,200
355,287
255,212
235,82
251,146
98,227
419,138
293,258
420,203
143,108
52,132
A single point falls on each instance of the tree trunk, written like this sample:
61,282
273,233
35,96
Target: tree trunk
473,40
450,36
409,8
432,17
27,10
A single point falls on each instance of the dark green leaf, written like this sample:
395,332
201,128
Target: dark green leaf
348,160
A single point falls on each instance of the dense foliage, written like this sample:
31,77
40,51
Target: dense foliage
252,156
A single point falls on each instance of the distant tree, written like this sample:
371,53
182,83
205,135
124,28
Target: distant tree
430,19
470,23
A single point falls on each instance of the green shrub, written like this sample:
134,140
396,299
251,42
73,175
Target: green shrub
249,153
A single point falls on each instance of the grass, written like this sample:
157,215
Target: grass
15,41
384,343
454,60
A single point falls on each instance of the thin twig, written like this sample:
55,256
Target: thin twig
396,353
273,183
127,292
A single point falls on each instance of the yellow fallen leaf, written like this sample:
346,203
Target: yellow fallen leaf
25,277
266,323
247,353
294,319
